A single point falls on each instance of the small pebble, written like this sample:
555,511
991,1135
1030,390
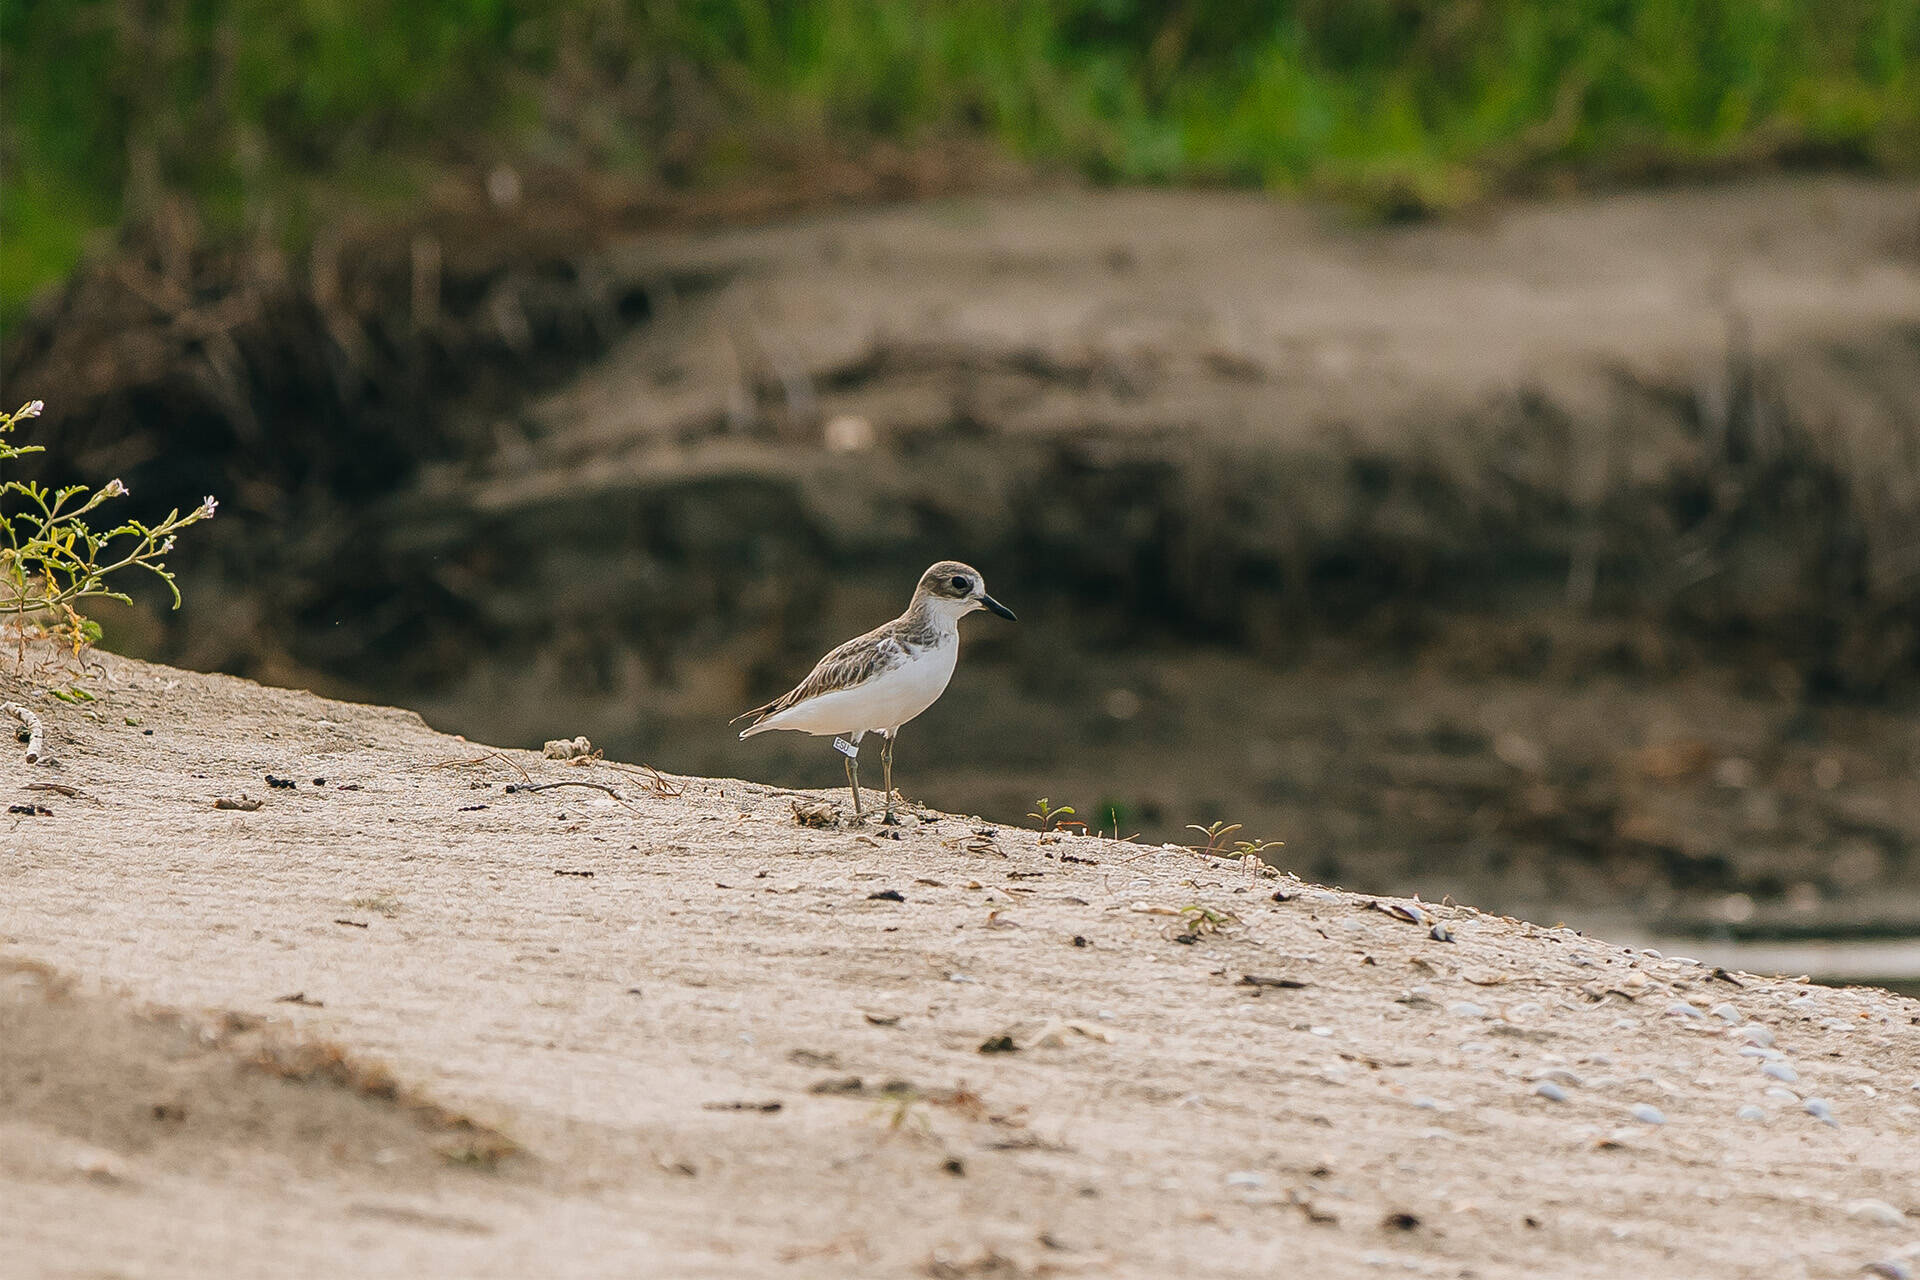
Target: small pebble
1750,1112
1321,1031
100,1166
1777,1094
1822,1110
1755,1051
1757,1034
1550,1091
1246,1178
1428,1104
1803,1002
1888,1269
1681,1009
1559,1075
1878,1212
1780,1071
1651,954
1466,1009
1646,1113
1727,1014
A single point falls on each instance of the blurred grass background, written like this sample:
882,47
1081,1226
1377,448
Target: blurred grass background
272,116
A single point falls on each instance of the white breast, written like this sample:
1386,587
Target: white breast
887,701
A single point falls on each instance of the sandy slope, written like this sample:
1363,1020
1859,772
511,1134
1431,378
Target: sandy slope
1156,1117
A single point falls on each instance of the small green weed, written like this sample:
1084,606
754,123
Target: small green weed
1216,834
52,558
1113,816
1220,843
1052,819
1196,922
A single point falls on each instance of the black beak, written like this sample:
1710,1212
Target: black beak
997,607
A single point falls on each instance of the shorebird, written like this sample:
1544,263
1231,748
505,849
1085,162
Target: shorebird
877,682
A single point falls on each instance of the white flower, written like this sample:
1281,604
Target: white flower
32,410
167,545
115,489
208,505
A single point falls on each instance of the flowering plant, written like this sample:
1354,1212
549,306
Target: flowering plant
51,557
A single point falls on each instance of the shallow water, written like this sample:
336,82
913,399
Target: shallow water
1892,964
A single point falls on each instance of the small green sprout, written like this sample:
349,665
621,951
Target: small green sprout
1216,834
1196,922
1219,844
1112,815
1052,819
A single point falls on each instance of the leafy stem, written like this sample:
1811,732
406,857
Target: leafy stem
52,558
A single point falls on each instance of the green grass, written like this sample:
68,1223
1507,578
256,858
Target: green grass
263,111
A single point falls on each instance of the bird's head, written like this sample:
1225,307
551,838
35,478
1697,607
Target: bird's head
955,590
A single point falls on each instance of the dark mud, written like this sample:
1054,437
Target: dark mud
1566,559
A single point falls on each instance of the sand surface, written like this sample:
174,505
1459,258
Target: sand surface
568,1033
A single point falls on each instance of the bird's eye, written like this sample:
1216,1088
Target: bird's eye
963,585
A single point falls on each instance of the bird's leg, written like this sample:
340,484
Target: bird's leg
886,777
853,783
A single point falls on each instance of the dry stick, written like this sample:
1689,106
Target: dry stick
36,747
652,777
547,786
482,759
71,793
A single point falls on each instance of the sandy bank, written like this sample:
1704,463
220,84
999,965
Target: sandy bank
734,1045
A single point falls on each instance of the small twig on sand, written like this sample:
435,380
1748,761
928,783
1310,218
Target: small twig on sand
512,787
36,747
71,793
482,759
652,778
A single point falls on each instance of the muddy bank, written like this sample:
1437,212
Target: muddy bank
1565,555
739,1045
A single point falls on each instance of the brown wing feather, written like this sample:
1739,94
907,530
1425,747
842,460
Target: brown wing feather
855,662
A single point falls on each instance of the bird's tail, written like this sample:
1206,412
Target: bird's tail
760,714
